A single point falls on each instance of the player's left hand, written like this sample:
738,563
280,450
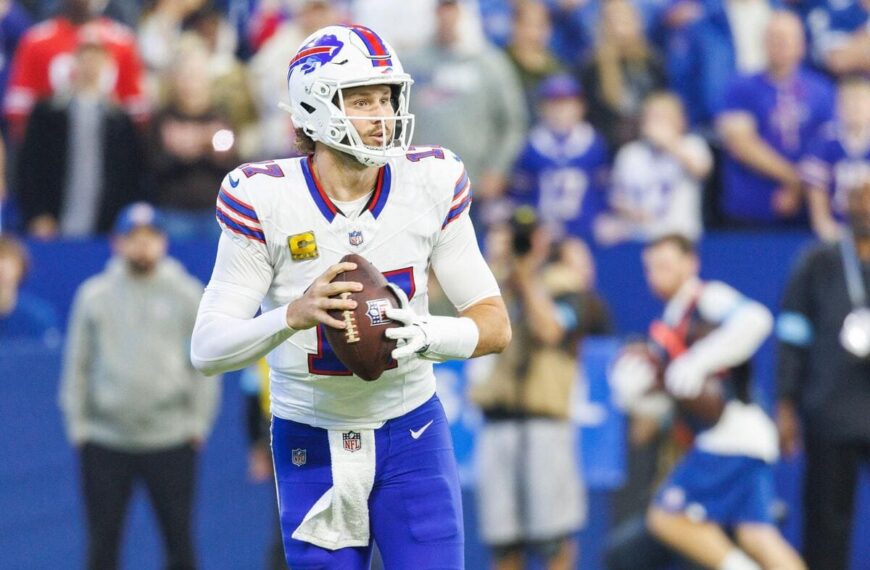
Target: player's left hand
684,378
430,337
412,334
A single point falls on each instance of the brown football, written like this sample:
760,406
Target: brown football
706,407
362,347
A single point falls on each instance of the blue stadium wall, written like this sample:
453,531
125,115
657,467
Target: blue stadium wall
41,519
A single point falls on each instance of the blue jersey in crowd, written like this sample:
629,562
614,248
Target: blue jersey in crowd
836,165
32,318
563,177
830,24
787,115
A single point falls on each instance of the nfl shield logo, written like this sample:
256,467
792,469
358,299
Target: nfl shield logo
300,457
355,237
377,311
352,441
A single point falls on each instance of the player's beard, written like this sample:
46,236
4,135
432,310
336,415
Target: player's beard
385,133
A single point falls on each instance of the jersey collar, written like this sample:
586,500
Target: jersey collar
329,209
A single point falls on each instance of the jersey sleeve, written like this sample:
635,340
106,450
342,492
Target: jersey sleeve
460,268
456,257
795,329
743,325
719,301
460,200
237,215
229,334
738,98
814,166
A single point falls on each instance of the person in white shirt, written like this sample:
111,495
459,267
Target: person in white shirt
657,181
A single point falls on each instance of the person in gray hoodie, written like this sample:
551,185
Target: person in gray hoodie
134,407
469,99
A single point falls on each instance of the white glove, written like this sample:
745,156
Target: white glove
432,338
684,378
631,377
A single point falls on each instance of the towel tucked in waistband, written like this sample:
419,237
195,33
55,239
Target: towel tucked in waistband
340,517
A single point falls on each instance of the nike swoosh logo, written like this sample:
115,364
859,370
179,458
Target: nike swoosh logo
419,432
233,183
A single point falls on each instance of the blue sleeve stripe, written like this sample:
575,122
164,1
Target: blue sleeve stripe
460,184
238,206
240,229
794,328
456,211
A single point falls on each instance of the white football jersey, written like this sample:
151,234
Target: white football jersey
416,217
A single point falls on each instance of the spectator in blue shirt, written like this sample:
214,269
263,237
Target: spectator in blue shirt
562,169
766,124
22,315
838,159
840,36
703,58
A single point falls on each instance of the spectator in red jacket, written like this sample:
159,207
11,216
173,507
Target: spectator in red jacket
43,63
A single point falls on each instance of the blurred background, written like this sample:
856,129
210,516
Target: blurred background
740,124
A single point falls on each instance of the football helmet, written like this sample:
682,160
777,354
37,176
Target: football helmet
335,58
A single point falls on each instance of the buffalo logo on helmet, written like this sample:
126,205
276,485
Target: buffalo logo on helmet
319,51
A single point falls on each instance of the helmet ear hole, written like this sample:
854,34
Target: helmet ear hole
395,93
307,107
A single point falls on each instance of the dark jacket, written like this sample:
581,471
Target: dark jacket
191,183
620,126
42,163
830,385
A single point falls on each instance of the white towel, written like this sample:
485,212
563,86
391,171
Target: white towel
340,517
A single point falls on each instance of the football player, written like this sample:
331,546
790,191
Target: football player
355,461
723,486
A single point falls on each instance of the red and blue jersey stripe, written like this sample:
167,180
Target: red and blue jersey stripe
238,216
461,199
328,209
382,191
324,204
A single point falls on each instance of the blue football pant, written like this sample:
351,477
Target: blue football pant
415,507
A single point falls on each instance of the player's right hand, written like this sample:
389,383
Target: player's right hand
311,308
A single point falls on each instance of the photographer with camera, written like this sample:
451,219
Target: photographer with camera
534,498
823,379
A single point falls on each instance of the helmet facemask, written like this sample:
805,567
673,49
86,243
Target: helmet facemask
340,133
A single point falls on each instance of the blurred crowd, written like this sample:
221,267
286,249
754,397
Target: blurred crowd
618,120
